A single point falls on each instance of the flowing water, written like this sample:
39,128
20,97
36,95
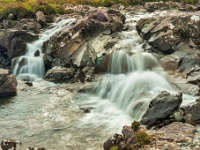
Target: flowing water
31,66
51,115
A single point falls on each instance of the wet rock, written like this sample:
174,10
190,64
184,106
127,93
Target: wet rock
8,83
59,75
36,148
160,108
28,83
86,109
37,53
5,62
23,62
9,144
13,42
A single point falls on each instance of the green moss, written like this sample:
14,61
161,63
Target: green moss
135,125
114,147
142,138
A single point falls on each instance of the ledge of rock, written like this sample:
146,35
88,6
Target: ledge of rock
8,84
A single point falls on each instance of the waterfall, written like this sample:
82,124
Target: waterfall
31,66
134,76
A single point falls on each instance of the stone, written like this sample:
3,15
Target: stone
193,109
127,132
13,42
59,75
40,18
37,53
11,16
176,131
160,108
8,84
165,33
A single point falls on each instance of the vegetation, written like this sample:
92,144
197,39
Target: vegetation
142,138
26,8
135,125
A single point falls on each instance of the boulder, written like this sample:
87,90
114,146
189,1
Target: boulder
160,108
59,75
8,84
40,18
194,110
13,42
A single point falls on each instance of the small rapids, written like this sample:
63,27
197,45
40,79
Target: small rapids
31,66
48,115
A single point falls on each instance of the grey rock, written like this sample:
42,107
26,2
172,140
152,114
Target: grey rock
160,108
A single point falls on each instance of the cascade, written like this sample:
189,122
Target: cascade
31,66
134,76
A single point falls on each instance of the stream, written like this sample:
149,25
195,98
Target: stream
51,115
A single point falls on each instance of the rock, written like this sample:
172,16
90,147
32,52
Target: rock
37,53
189,119
28,83
36,148
13,42
153,6
127,132
179,115
40,18
176,131
114,141
11,16
160,108
193,109
8,84
9,144
59,75
84,43
165,33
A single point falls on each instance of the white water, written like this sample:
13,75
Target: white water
32,67
135,76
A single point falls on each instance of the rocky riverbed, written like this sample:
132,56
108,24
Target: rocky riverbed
105,41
